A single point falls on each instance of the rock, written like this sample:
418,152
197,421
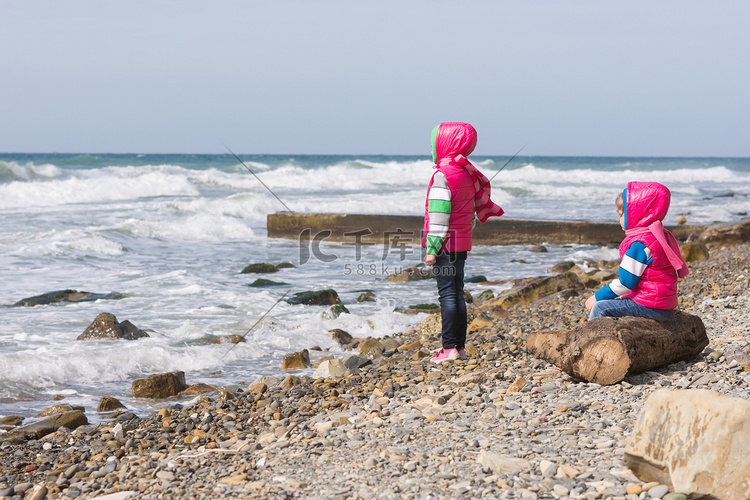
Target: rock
66,296
694,440
431,326
419,308
692,252
218,339
285,265
335,311
105,326
727,234
57,409
36,430
562,267
260,282
326,297
159,386
366,297
108,404
196,389
538,249
416,273
681,220
476,279
537,288
352,362
259,268
296,360
604,350
333,368
485,296
10,421
502,464
371,348
658,491
340,336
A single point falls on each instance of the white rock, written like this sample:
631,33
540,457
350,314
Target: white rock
695,440
331,368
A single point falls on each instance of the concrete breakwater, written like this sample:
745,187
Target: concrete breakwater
374,229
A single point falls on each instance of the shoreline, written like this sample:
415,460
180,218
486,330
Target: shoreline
402,428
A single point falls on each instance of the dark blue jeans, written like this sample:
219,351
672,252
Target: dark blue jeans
628,307
449,274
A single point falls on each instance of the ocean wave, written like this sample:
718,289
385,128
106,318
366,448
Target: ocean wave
72,242
11,171
93,190
197,227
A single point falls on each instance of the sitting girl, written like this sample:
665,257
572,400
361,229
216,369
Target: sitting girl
651,262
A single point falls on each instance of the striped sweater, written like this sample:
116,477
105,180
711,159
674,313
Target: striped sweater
439,210
634,263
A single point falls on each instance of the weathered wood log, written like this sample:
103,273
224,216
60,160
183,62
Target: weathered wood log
605,350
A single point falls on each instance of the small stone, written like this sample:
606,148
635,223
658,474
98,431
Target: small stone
658,491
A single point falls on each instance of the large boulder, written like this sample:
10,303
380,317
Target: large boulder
106,326
415,273
692,252
371,348
726,234
326,297
259,268
605,350
537,288
36,430
65,296
696,441
296,360
159,386
109,404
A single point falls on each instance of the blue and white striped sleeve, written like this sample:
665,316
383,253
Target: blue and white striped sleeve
634,263
439,209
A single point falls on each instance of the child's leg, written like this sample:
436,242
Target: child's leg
626,307
445,275
460,300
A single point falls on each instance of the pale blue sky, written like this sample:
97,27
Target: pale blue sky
635,78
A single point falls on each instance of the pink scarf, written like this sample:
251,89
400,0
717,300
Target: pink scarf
483,205
671,249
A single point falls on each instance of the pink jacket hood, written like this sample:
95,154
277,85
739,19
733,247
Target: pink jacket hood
450,139
644,203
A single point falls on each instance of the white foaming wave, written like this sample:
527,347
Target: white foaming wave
11,171
93,189
531,173
96,362
253,206
198,227
73,242
345,177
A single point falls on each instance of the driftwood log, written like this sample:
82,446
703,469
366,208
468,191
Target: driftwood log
605,350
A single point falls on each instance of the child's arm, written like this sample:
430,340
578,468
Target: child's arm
634,263
439,209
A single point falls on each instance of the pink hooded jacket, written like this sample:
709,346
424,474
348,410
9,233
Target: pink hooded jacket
645,204
452,142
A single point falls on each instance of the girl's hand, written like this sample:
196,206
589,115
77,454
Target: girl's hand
429,260
590,303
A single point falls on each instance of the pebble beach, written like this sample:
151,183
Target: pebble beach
500,424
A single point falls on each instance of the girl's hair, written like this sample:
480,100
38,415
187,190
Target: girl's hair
618,202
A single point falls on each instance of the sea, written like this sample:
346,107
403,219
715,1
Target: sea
169,234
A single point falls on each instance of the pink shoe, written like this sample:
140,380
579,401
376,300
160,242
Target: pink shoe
462,353
445,355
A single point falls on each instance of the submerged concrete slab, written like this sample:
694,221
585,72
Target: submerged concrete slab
407,230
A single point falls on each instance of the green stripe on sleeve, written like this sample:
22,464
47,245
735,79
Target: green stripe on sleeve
443,206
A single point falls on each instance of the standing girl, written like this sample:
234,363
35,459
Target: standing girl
456,192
